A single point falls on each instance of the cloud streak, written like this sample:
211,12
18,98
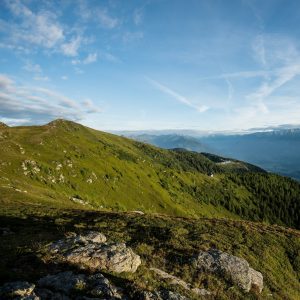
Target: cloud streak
39,105
180,98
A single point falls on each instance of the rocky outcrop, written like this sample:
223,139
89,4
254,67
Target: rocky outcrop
21,290
173,280
90,251
237,269
3,125
67,282
63,286
161,295
257,280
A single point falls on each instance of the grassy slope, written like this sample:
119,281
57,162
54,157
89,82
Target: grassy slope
162,241
135,176
115,173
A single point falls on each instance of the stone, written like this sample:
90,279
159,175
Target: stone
237,269
46,294
177,281
5,231
18,290
100,286
257,280
89,251
63,282
160,295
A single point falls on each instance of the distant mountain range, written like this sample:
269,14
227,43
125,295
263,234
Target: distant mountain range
274,149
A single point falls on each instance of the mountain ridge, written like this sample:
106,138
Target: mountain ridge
70,162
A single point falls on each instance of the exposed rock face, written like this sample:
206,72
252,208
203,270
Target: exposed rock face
257,280
18,290
90,251
177,281
3,125
96,285
63,286
63,282
161,295
221,263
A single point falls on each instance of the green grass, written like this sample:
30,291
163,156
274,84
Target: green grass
43,167
64,160
162,241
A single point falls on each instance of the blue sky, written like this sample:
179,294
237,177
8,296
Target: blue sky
153,64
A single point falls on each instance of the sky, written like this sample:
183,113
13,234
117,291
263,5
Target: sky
153,64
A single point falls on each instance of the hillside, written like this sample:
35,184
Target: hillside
275,150
162,242
63,181
68,165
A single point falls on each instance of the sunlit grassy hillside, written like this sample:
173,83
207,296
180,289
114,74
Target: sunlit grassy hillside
67,165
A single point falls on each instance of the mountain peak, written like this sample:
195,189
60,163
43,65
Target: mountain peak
65,124
3,125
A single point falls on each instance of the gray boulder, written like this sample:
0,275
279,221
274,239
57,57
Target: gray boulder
22,290
173,280
257,280
90,251
237,269
161,295
63,284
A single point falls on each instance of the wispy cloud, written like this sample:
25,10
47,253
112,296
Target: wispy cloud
138,15
281,77
132,36
39,104
105,19
71,48
230,90
99,15
94,57
180,98
41,78
31,67
91,58
41,28
239,75
258,46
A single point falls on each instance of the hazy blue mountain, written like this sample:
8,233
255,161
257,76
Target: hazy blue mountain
171,141
276,150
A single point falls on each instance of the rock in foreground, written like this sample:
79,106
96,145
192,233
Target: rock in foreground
238,269
90,251
18,290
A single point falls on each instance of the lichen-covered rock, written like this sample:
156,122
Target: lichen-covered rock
63,284
18,290
46,294
257,280
160,295
100,286
90,251
173,280
221,263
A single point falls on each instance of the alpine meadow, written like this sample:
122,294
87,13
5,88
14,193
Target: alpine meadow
149,150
